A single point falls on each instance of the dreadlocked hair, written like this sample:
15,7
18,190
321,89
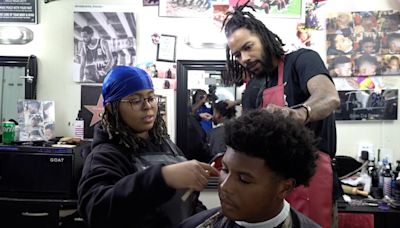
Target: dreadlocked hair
234,73
238,18
116,128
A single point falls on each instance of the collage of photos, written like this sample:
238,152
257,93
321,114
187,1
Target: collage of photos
205,8
363,43
36,120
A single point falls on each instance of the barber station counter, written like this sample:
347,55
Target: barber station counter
382,218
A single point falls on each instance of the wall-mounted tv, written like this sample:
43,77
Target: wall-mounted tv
367,105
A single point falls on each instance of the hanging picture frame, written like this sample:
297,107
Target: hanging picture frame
166,48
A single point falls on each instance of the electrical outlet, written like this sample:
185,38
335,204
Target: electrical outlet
369,147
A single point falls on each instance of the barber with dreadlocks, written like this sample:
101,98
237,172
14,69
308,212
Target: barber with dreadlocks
299,84
134,175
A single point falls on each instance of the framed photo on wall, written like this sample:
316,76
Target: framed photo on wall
367,105
166,48
363,43
100,45
205,8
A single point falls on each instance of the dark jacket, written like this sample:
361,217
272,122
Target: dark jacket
298,220
119,188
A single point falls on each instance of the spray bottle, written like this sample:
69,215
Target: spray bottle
79,126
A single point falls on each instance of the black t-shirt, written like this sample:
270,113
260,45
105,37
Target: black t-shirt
299,67
251,92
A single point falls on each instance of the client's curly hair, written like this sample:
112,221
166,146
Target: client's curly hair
287,147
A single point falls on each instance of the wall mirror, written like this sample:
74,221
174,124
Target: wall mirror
193,75
18,77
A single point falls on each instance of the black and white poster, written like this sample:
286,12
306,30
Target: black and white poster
21,11
104,36
367,105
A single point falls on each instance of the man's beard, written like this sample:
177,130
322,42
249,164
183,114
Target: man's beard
267,68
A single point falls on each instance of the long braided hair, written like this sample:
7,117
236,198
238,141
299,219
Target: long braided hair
117,129
271,42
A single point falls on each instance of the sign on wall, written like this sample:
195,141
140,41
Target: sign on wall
18,11
367,105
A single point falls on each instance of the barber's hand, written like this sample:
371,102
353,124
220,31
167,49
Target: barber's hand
299,114
205,116
189,174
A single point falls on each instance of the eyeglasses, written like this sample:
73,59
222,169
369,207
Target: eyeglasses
138,103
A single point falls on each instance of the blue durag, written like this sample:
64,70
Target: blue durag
122,81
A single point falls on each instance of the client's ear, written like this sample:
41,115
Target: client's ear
286,187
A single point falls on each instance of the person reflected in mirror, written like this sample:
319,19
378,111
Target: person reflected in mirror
135,175
221,113
253,87
268,155
200,109
95,55
298,84
197,146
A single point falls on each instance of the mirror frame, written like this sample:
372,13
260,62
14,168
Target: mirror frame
22,61
183,66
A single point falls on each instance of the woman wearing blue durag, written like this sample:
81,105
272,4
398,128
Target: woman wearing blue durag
135,175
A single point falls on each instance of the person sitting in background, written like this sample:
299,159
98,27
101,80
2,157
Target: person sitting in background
216,135
200,110
135,175
268,155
